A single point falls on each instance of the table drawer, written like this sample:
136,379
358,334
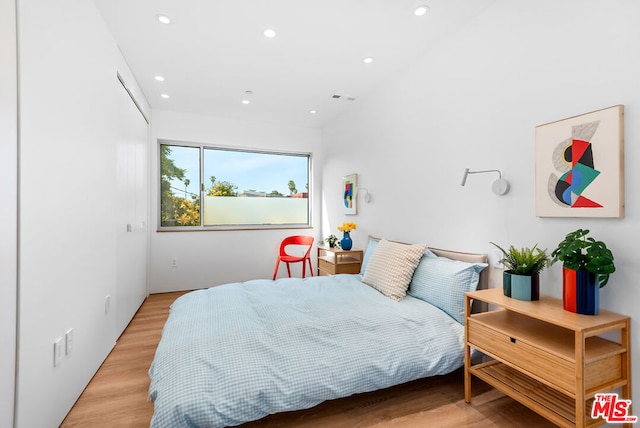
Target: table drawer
545,365
325,266
338,265
352,268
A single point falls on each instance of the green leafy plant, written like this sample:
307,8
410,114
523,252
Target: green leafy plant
578,251
332,240
524,261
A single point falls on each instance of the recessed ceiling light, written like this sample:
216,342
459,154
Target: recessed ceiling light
159,78
164,19
164,95
367,60
312,111
245,102
269,33
421,10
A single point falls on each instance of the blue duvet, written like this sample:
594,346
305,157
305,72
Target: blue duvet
238,352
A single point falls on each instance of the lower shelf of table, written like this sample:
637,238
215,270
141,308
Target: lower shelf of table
546,401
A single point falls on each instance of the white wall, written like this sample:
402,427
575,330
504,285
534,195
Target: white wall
68,135
474,103
212,258
9,211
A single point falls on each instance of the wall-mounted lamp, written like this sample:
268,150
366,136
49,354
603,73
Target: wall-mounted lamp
499,187
367,195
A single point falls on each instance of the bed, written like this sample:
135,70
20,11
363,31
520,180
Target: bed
238,352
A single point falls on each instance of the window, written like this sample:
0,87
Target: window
223,188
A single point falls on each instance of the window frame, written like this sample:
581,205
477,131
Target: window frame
205,146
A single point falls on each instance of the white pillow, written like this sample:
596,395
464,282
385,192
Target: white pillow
391,266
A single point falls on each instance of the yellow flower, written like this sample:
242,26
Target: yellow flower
347,227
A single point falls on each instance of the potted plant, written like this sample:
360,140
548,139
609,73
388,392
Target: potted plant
521,279
332,240
586,266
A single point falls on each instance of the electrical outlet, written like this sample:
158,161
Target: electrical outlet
58,348
497,256
174,262
68,342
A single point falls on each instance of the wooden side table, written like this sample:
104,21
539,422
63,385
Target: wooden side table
551,360
332,261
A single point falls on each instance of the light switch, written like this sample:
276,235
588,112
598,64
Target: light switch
68,342
58,349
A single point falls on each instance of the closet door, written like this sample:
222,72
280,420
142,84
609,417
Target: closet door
9,211
132,210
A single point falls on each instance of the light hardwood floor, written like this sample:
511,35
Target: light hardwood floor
117,395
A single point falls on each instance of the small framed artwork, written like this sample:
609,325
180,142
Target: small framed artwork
349,203
579,168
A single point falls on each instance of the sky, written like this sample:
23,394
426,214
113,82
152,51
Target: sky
249,171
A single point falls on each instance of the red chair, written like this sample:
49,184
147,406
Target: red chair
288,258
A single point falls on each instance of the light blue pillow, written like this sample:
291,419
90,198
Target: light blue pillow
443,282
367,254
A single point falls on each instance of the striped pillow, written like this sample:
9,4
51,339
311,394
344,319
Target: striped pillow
391,266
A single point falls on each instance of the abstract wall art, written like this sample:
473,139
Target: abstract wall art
579,169
349,202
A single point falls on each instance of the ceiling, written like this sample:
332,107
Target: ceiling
214,54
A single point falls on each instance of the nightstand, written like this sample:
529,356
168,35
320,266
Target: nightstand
551,360
332,261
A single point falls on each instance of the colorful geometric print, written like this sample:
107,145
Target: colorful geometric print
348,194
569,188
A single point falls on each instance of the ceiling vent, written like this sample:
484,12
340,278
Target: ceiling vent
342,97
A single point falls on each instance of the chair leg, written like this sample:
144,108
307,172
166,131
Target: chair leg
310,267
304,265
288,270
275,271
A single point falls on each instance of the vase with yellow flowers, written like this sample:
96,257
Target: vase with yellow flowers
346,228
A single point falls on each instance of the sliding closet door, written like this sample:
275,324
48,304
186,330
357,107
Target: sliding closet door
132,210
9,211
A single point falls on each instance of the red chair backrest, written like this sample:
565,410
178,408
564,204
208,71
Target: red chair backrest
296,240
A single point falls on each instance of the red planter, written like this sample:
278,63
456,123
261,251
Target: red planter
580,291
569,289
